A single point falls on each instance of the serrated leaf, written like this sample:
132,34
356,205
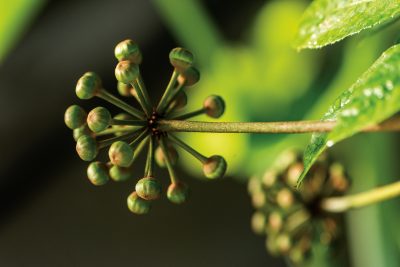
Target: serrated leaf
373,98
328,21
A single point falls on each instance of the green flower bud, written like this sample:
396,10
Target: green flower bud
178,192
88,85
83,130
181,58
293,173
269,178
275,221
285,198
121,154
126,72
138,205
97,173
128,50
283,242
254,185
258,199
215,167
124,89
160,158
121,174
98,119
271,245
258,223
86,146
148,188
214,105
296,255
337,178
189,77
75,117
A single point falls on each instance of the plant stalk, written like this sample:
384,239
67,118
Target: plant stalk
376,195
392,124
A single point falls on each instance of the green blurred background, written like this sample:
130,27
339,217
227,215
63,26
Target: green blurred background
52,216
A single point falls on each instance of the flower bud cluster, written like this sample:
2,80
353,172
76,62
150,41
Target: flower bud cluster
126,134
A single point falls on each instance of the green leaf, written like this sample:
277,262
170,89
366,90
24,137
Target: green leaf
373,98
328,21
14,18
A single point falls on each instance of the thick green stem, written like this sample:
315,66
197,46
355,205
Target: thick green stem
266,127
376,195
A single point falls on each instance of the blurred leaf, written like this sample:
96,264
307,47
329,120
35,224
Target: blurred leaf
372,99
192,25
14,16
328,21
252,78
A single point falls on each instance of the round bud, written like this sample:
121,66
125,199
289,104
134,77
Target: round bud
258,199
269,178
293,173
128,50
189,77
178,192
124,89
88,85
284,243
181,58
98,119
121,154
254,185
83,130
160,158
75,117
275,221
126,71
121,174
148,188
138,205
285,198
97,173
296,255
86,146
258,223
214,106
214,167
271,245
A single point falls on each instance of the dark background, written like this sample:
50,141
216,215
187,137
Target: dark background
50,215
